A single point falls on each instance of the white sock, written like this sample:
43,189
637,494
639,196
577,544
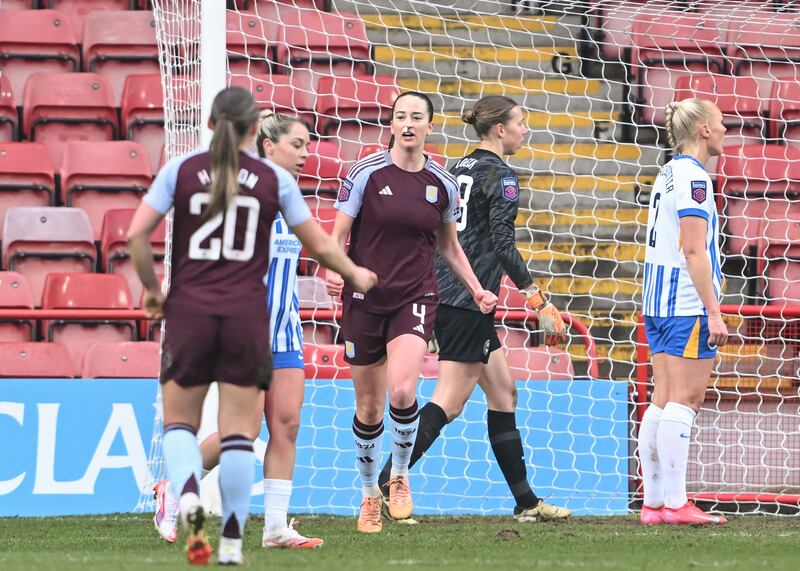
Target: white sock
674,435
404,433
648,456
368,454
276,504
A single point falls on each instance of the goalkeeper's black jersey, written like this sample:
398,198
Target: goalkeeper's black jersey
489,200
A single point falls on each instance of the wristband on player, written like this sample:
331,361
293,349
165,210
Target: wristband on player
536,297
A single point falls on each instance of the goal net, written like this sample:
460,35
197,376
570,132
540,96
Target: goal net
594,78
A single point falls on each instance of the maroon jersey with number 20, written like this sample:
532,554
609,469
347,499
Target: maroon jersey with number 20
396,215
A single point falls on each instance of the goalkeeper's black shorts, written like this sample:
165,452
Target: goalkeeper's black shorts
464,335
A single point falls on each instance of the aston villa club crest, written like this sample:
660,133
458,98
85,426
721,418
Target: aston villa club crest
699,191
350,349
431,193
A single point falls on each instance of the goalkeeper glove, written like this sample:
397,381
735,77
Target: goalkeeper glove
548,316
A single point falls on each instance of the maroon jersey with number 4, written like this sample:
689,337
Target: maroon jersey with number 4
396,214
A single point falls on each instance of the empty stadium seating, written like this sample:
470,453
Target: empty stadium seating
311,293
35,360
37,241
116,44
509,296
36,41
142,114
15,293
281,93
79,10
62,107
97,177
747,178
784,110
86,291
667,47
323,171
316,333
27,177
9,122
540,364
114,256
246,44
126,359
325,362
322,42
765,48
356,108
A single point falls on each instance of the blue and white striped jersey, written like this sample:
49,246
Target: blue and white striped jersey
682,188
286,331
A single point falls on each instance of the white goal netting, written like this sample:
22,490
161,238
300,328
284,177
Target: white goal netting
594,78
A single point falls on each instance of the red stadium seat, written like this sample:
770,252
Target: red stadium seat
325,362
540,364
27,177
334,44
356,108
79,10
63,107
246,39
97,177
36,40
513,336
737,99
86,291
123,360
667,47
15,293
325,216
311,293
784,110
114,256
765,48
9,121
117,44
748,177
510,296
318,333
37,241
324,169
142,114
265,7
282,93
48,360
613,20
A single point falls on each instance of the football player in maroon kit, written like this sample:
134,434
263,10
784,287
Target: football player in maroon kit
225,200
398,207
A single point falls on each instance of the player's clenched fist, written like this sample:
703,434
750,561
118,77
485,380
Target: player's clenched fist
333,283
362,279
153,304
485,300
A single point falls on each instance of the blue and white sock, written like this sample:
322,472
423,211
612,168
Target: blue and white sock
674,437
182,458
368,454
404,432
236,465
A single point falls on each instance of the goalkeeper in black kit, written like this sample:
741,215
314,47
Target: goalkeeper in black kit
468,342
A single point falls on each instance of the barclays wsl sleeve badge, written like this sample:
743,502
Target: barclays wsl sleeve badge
510,188
699,191
344,192
431,193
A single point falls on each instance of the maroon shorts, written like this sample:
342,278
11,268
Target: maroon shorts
366,334
199,349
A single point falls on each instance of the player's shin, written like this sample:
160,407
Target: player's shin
235,480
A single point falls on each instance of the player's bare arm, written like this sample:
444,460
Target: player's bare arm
341,229
144,223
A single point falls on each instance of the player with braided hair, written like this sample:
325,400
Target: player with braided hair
683,322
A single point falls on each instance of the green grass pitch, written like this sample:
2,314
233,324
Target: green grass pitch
123,542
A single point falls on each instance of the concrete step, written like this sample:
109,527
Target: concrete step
544,127
406,28
475,61
599,159
620,224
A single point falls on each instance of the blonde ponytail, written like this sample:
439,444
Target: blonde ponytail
682,118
